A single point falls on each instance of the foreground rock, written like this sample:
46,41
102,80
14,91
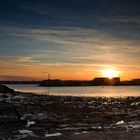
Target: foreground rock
38,117
96,135
5,89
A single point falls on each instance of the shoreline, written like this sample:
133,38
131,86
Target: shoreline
27,115
98,91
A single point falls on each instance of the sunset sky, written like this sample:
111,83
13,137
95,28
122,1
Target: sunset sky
70,39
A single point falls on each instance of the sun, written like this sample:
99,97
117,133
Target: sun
110,73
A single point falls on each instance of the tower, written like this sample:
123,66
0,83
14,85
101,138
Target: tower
49,76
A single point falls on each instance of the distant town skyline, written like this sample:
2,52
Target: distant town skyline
70,39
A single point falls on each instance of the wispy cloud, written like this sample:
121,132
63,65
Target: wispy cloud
63,37
66,49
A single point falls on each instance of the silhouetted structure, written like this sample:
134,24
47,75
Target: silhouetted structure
95,82
99,81
58,82
136,81
104,81
133,82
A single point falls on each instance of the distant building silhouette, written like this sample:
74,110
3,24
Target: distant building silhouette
136,81
103,81
58,82
98,81
133,82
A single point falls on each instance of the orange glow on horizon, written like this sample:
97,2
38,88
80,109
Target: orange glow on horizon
110,73
64,72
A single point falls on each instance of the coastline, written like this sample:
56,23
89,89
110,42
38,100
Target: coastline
66,117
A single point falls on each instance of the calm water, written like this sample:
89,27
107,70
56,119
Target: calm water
80,91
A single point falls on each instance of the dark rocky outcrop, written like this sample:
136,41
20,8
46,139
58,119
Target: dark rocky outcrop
5,89
43,115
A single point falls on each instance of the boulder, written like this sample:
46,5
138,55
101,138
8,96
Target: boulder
5,89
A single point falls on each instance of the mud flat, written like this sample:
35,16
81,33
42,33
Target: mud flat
29,116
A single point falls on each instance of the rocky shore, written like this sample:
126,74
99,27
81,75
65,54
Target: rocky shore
39,117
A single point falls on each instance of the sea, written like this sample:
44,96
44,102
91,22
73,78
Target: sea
85,91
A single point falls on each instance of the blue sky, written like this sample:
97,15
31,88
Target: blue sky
73,39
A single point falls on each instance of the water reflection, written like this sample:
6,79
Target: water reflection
108,91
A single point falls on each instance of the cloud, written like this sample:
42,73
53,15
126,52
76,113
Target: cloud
68,35
70,45
118,19
123,19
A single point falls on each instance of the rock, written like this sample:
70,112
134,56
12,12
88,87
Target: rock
53,135
5,89
120,122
